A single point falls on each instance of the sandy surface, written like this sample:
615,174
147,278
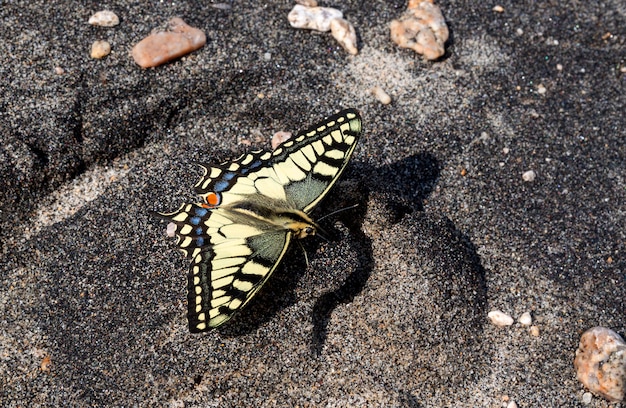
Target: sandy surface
392,310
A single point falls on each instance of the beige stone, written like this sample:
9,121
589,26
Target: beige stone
601,363
421,28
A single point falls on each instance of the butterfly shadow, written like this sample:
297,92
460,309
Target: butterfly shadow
401,188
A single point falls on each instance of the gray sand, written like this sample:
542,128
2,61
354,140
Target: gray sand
392,309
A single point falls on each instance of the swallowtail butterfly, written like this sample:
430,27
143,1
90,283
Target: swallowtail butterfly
252,208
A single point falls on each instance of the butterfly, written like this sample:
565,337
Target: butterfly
251,209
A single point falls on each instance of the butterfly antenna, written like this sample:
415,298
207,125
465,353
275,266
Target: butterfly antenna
338,211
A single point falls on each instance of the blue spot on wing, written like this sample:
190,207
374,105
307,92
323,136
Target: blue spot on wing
229,176
201,212
221,185
199,231
195,220
199,241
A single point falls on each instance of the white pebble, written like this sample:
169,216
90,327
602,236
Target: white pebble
541,89
170,230
313,18
345,34
511,404
104,18
529,176
498,9
525,319
587,398
381,95
500,318
100,49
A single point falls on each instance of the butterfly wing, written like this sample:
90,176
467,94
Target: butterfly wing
300,171
233,240
232,255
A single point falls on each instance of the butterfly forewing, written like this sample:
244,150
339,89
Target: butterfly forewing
301,170
239,235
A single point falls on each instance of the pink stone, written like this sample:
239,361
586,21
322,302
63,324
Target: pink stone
164,46
601,363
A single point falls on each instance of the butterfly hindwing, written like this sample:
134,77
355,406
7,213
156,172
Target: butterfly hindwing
231,257
301,170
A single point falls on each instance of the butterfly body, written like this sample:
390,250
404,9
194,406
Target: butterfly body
253,207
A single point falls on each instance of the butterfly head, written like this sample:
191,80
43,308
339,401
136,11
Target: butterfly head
298,222
302,229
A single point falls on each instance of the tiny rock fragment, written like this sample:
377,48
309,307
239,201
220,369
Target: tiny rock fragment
421,28
46,362
499,318
59,71
498,9
307,3
313,18
280,138
100,49
601,363
164,46
541,89
525,319
344,33
529,176
381,95
104,18
534,331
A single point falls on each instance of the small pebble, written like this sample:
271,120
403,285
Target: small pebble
559,67
104,18
221,6
587,397
280,138
307,3
59,71
313,18
511,404
345,34
45,364
498,9
541,89
421,28
525,319
170,230
529,176
164,46
499,318
534,331
381,95
601,363
100,49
